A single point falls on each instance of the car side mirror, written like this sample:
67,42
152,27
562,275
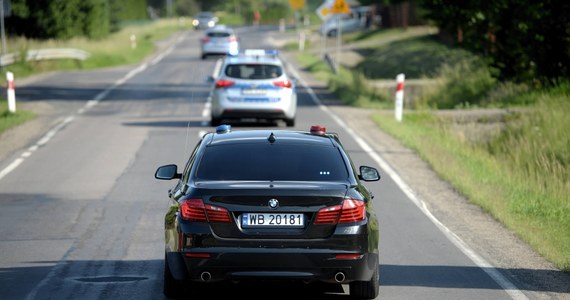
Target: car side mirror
167,172
369,174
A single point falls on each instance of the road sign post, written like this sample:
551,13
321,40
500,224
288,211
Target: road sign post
399,105
11,93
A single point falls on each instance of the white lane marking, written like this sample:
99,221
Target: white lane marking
11,167
61,124
207,109
501,280
158,58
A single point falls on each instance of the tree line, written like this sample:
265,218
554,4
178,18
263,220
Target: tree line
64,19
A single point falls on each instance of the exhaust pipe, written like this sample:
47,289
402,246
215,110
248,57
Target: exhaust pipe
339,277
205,276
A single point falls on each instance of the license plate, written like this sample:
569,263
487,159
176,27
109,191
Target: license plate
253,91
272,220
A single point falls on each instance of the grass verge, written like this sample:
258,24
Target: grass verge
521,176
9,120
112,51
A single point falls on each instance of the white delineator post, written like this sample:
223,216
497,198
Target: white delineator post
399,109
11,92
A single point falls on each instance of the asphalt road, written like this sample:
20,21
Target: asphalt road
81,215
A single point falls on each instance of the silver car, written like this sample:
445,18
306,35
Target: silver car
253,85
220,40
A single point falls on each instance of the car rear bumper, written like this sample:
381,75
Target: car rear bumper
256,107
278,264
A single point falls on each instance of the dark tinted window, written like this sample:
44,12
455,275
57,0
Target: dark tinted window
253,71
218,34
272,162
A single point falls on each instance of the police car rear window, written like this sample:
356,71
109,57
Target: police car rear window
218,34
262,162
253,71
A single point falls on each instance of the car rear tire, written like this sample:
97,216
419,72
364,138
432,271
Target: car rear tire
172,286
290,122
366,289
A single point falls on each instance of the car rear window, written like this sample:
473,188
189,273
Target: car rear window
218,34
253,71
276,162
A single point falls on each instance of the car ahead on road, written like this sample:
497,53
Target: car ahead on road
353,21
204,20
219,40
271,205
253,85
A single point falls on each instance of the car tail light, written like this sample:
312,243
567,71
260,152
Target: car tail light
224,83
328,215
217,214
195,210
350,211
283,84
232,39
205,40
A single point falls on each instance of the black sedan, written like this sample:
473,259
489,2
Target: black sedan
277,205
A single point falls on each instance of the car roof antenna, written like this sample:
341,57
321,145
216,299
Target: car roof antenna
271,138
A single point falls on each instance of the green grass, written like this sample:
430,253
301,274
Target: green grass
112,51
521,176
9,120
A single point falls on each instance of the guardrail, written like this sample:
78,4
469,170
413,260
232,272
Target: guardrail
45,54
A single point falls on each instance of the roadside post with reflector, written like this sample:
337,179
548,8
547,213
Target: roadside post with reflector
399,108
11,92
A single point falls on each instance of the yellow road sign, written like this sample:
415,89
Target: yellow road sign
340,7
297,4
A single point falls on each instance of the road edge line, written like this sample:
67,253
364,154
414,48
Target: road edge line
509,287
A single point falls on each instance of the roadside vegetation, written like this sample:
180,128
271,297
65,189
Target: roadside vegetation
9,120
116,49
519,173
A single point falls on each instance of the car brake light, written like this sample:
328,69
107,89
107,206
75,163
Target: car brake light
217,214
350,211
283,84
328,215
224,83
205,40
195,210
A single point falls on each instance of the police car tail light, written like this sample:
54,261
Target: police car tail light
352,211
224,83
205,40
283,83
195,210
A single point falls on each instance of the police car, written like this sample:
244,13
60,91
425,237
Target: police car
270,204
253,85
